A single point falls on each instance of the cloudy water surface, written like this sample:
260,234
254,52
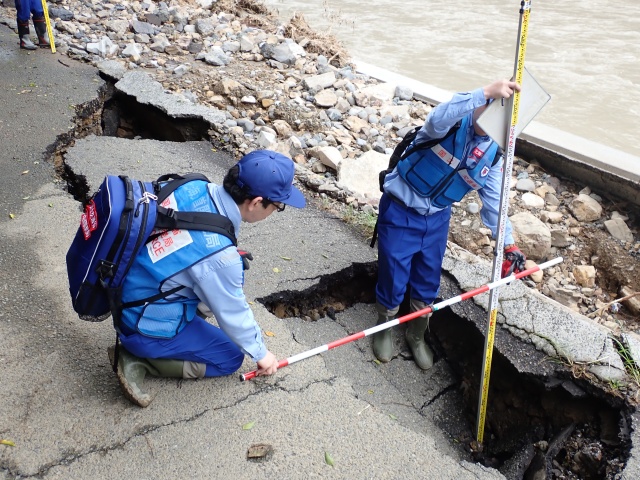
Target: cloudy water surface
585,54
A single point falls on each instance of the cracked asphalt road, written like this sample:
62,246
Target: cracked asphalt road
61,403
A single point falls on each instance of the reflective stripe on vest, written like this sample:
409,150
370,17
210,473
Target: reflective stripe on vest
445,156
168,254
438,174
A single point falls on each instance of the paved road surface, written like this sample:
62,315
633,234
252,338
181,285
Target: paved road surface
60,402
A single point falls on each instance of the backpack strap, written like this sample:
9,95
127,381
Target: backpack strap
151,299
176,182
169,219
402,146
499,155
374,237
106,266
429,143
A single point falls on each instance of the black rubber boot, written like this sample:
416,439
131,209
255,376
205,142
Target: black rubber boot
25,39
422,354
383,341
41,29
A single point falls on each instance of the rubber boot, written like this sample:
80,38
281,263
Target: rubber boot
132,370
25,40
383,341
422,354
41,30
168,368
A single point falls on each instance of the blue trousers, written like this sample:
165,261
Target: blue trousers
411,248
198,342
26,7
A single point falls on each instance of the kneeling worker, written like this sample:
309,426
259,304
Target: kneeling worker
169,338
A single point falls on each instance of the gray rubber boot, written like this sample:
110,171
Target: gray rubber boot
41,30
132,370
25,39
383,341
422,354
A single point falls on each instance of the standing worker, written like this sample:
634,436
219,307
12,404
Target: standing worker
170,337
415,209
24,9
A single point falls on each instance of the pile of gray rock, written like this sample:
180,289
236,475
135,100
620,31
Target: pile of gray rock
553,219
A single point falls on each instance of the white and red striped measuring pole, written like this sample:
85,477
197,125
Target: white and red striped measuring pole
407,318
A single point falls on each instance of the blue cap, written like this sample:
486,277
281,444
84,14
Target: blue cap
269,174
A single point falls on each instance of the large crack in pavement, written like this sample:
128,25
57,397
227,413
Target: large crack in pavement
142,431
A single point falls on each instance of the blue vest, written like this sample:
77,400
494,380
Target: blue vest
160,259
442,173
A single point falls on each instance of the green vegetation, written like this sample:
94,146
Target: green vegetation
629,364
365,221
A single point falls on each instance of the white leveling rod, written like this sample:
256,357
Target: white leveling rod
407,318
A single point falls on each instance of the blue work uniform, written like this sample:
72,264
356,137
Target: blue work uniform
412,228
217,281
24,9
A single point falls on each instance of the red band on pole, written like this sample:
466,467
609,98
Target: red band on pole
342,341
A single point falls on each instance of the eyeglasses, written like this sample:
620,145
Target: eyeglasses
279,206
